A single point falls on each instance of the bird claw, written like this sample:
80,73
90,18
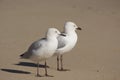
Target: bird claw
63,69
48,75
38,75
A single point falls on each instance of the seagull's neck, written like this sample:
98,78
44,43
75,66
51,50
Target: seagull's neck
70,32
51,38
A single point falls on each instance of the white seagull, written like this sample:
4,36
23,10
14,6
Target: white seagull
43,49
66,43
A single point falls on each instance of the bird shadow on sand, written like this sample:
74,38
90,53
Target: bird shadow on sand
30,64
15,71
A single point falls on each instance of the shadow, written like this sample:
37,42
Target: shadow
15,71
30,64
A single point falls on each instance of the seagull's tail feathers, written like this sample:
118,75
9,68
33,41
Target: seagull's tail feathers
25,55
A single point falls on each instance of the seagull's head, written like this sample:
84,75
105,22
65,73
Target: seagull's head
53,32
71,26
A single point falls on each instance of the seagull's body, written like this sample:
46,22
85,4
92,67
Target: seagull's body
66,43
43,49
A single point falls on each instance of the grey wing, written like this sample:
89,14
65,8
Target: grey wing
61,42
36,45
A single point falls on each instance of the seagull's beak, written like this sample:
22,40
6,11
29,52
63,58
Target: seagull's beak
78,28
62,34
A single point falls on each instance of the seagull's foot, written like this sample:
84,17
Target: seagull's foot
48,75
63,69
58,69
38,75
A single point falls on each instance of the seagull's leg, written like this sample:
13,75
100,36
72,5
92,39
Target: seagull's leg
46,74
38,75
61,61
58,63
45,68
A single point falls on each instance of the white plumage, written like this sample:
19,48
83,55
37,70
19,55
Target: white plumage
66,43
43,49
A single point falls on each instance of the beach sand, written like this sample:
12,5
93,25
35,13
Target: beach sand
96,55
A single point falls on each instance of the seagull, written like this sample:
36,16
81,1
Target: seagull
43,49
66,43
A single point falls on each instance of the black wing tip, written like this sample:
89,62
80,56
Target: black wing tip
24,56
21,55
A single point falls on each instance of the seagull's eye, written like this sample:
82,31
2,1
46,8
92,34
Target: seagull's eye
74,26
55,31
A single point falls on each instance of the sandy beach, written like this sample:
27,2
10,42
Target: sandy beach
96,55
